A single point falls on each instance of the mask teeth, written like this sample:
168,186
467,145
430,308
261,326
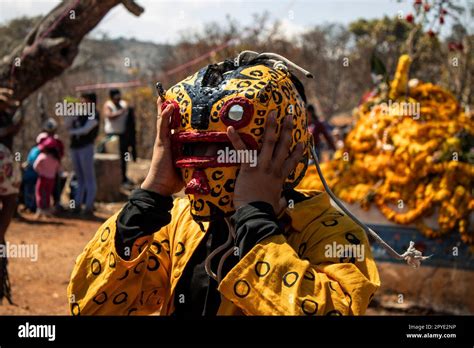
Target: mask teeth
199,185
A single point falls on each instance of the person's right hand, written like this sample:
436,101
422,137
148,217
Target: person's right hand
163,177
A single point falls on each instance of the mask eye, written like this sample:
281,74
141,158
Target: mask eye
236,112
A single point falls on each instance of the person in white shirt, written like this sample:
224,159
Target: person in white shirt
115,116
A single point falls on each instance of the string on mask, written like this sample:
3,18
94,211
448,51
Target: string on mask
412,256
229,243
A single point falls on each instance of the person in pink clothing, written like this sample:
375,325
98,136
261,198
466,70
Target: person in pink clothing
47,165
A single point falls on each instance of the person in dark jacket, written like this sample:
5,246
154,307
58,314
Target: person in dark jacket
132,133
83,130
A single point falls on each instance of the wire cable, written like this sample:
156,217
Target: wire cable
412,256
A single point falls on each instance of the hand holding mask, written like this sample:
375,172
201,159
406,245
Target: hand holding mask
264,182
240,94
162,176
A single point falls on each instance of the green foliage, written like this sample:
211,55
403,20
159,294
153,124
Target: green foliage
380,30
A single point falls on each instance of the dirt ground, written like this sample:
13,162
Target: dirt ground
39,288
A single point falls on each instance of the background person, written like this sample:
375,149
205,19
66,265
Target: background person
317,128
50,126
83,131
47,166
115,121
29,174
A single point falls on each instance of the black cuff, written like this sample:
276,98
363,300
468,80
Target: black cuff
253,223
144,214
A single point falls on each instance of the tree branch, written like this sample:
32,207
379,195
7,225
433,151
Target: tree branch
52,45
133,7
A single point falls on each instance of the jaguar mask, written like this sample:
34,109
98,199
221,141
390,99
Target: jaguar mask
239,93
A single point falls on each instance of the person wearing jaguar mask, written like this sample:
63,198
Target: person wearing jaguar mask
244,241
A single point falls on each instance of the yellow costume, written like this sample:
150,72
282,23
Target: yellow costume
287,274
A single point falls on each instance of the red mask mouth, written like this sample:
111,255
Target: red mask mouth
199,185
199,149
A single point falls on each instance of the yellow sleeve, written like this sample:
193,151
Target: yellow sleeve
102,283
301,275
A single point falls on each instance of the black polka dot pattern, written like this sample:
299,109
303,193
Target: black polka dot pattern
100,298
96,268
330,223
105,234
153,263
179,249
75,309
141,246
290,278
166,245
156,247
334,313
262,268
125,275
241,288
308,275
309,307
138,267
112,260
120,298
351,238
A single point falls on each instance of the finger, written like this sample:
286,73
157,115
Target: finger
7,99
163,122
158,106
292,161
237,142
235,139
6,91
269,140
283,145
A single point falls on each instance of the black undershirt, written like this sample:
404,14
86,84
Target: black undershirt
201,297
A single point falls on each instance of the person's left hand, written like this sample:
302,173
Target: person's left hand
7,103
264,182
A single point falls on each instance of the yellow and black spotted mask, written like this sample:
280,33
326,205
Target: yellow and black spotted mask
223,95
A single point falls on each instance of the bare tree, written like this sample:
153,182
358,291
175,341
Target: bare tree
52,45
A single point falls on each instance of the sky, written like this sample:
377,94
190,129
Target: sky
164,20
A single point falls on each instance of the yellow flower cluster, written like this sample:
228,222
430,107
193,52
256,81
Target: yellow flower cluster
408,164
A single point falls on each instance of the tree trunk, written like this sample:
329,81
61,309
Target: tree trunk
51,47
